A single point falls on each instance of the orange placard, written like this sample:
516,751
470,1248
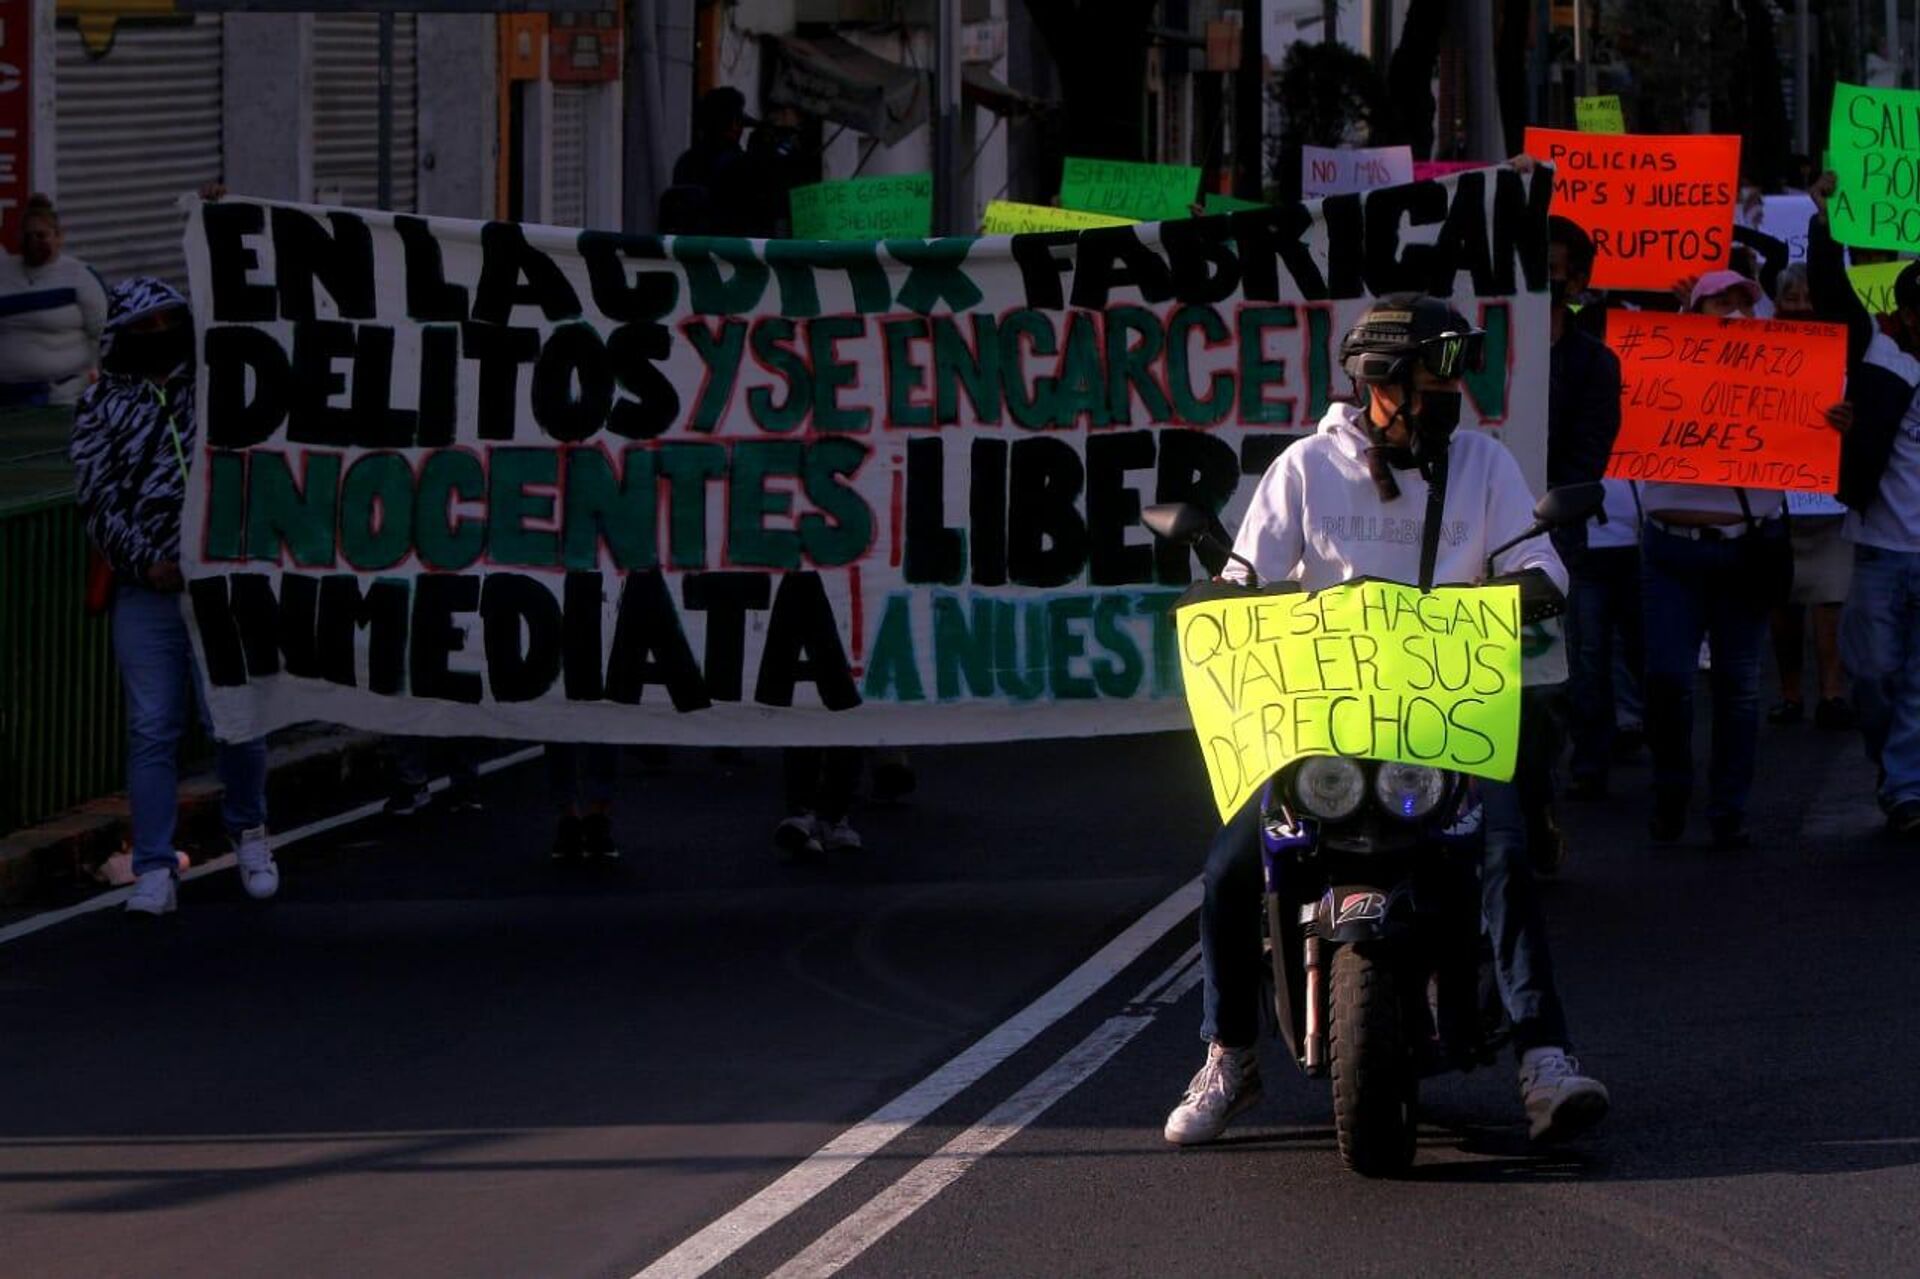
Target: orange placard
1659,208
1734,402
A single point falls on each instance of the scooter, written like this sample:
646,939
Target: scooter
1380,972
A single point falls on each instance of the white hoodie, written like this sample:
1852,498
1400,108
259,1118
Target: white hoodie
1318,520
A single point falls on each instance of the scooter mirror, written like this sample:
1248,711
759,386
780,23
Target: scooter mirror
1181,523
1570,504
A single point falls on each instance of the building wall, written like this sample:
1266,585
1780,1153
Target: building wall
458,127
44,163
268,113
268,105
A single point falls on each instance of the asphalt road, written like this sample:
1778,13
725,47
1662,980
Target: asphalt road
436,1055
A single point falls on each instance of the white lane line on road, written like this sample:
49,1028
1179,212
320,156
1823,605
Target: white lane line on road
869,1224
716,1242
114,897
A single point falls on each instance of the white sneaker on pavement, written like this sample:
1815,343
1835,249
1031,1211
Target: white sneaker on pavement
1561,1102
797,836
154,893
837,837
409,800
258,872
1227,1085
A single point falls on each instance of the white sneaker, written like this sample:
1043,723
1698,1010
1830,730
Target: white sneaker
797,836
154,893
838,837
408,801
1227,1085
257,868
1561,1102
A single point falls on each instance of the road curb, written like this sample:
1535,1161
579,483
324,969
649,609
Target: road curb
55,858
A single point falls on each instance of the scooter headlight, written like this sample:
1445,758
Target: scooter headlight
1330,788
1409,791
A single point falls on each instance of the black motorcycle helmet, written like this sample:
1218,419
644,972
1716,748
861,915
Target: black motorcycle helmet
1398,335
1405,330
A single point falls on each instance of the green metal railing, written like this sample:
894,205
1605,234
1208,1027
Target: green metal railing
62,716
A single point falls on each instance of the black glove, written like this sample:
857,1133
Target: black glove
1539,597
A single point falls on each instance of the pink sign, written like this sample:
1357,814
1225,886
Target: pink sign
1427,170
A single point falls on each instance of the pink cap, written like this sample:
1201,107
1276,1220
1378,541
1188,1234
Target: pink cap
1721,282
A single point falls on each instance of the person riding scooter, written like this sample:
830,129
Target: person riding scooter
1336,506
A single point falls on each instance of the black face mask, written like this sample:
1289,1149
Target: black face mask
152,355
1557,292
1438,418
1432,429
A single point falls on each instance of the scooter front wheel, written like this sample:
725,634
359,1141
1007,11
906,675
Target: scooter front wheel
1375,1085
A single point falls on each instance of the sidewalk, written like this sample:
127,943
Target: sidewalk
51,863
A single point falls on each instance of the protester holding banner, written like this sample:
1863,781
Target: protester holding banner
1822,565
779,162
819,785
1328,511
132,436
1830,291
1583,417
1715,562
1880,483
580,779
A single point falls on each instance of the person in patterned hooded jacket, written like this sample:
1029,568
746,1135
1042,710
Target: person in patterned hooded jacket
132,438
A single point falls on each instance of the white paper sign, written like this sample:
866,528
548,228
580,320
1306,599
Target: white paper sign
1784,217
1326,171
1815,504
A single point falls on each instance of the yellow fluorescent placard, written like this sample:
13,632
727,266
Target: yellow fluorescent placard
1371,670
1005,217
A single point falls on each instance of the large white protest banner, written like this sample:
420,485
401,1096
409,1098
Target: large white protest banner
455,478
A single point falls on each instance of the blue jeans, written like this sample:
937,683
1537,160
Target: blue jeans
1694,590
1603,606
1880,644
156,668
414,761
1231,929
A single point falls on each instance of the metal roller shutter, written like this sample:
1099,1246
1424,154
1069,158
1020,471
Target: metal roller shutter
570,103
346,110
134,130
